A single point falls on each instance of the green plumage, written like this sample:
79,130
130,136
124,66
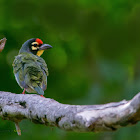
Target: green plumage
31,72
29,68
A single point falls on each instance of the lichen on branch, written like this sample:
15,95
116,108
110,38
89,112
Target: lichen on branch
81,118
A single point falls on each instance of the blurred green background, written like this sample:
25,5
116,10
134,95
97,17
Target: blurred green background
94,60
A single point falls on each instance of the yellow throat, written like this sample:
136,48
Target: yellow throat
40,52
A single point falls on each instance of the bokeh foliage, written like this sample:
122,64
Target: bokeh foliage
94,60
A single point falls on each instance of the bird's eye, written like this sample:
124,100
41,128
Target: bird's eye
35,45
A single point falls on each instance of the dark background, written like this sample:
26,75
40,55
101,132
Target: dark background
95,57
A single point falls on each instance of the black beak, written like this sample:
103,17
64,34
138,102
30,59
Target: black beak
45,46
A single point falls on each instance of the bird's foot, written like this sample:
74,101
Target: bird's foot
42,96
24,91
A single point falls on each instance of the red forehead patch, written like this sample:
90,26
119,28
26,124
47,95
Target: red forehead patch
39,41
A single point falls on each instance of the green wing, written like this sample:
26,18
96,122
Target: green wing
30,71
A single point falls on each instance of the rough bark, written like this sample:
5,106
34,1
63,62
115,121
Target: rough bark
82,118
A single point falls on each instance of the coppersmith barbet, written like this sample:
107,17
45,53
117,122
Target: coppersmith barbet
29,68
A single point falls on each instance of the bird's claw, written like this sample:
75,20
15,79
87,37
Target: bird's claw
42,96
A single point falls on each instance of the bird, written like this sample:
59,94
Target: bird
29,68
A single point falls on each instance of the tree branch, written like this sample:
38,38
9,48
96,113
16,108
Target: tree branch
2,44
82,118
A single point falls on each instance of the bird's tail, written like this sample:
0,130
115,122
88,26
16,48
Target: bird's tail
39,90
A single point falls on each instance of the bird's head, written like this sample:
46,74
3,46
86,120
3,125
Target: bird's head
35,46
